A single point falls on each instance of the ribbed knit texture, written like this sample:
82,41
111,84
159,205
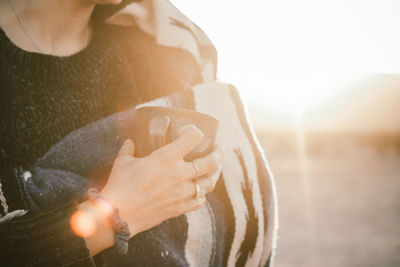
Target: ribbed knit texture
43,239
44,97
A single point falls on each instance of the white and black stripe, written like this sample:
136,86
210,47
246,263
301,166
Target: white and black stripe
237,225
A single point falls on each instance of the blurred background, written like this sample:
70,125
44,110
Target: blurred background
321,80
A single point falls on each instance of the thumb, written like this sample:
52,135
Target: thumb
127,148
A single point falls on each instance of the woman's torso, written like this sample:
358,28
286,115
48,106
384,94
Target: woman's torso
44,97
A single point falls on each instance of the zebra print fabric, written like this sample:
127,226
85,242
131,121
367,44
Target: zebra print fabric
236,227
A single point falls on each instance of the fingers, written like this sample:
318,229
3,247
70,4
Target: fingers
207,183
181,192
189,205
193,204
127,148
187,190
205,165
189,137
181,198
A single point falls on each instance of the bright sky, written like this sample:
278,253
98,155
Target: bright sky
292,55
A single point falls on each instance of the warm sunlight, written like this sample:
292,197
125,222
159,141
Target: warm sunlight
129,138
321,82
83,223
291,56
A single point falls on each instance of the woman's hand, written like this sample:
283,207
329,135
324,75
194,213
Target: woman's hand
160,186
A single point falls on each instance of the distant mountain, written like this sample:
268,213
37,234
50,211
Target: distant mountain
369,106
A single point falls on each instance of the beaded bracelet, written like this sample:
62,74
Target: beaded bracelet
121,229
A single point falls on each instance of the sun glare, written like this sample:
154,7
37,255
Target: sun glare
296,95
292,56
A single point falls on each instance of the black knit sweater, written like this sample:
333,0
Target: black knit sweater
44,97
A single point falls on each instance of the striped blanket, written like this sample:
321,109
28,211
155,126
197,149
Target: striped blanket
237,226
234,228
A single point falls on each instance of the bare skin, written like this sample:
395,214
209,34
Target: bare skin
158,187
148,190
58,27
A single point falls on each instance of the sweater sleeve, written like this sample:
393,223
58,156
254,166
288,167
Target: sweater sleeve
42,239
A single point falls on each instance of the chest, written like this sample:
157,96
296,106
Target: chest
37,111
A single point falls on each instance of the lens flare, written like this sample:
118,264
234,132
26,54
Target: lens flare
83,224
105,207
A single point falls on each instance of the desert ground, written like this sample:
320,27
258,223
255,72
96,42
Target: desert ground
341,209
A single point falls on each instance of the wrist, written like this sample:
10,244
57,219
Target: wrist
111,212
116,201
126,214
90,223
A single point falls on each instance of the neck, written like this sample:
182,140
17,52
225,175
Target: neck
57,26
